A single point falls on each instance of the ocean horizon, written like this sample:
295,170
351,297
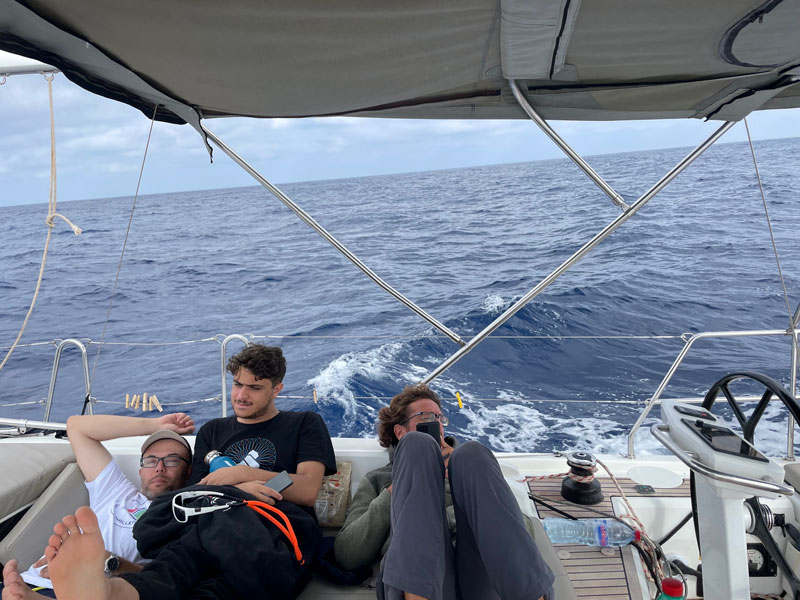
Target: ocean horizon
570,371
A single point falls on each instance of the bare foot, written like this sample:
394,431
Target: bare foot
60,532
14,587
76,561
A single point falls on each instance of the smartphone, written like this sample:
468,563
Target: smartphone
280,482
431,428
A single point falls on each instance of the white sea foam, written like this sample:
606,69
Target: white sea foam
517,425
507,427
493,303
333,383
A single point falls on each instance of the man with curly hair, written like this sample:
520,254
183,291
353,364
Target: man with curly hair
442,516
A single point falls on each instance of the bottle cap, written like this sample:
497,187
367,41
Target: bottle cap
637,535
211,456
672,586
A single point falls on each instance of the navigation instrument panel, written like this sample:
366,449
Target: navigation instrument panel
724,440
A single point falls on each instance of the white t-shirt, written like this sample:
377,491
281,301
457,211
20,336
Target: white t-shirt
118,504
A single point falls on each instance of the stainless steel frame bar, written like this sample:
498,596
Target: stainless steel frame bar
793,389
559,141
585,249
308,220
37,68
23,425
224,364
690,340
87,382
660,431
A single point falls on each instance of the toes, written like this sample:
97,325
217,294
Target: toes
87,520
70,524
50,553
60,530
55,541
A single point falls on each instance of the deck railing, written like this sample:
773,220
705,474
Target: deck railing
689,341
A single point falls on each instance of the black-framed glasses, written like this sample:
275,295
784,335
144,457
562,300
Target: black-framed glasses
170,460
426,416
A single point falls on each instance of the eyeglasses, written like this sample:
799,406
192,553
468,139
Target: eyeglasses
170,460
428,417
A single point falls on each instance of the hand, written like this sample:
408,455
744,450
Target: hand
389,489
446,452
260,491
178,422
228,476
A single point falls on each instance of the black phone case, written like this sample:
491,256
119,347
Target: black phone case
431,428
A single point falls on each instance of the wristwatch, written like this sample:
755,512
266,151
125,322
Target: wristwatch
111,565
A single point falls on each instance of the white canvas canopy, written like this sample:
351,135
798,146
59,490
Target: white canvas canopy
577,60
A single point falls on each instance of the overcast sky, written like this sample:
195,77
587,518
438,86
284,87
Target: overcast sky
100,144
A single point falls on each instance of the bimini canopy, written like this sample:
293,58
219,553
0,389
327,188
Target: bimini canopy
577,60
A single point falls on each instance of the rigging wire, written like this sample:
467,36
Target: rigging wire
769,225
50,220
412,337
124,245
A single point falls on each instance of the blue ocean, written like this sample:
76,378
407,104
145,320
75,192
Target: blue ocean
571,370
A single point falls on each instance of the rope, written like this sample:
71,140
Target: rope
147,344
769,225
88,342
645,544
124,245
571,474
648,545
285,527
165,404
50,220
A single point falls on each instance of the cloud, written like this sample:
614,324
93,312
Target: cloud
98,140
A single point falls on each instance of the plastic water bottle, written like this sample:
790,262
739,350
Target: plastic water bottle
216,460
590,532
671,589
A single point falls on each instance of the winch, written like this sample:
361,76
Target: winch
580,486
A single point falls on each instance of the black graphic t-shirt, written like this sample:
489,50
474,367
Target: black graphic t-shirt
281,443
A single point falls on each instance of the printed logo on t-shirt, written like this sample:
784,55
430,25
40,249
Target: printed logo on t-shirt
125,516
254,450
136,513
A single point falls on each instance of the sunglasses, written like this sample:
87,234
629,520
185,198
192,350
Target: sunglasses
426,416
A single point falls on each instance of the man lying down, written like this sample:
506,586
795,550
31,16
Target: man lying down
266,552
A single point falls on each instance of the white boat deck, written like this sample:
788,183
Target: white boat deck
594,573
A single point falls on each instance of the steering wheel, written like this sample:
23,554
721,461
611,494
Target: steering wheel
772,388
748,425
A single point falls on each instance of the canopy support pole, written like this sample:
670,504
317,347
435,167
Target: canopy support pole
559,141
577,256
308,220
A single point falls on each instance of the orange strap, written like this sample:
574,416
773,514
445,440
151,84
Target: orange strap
285,527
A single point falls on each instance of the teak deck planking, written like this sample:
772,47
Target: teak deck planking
598,573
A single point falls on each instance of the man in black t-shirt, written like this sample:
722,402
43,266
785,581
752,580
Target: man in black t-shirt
262,440
225,554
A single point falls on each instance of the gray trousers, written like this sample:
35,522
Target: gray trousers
494,555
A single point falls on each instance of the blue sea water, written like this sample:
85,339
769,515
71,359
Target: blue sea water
464,244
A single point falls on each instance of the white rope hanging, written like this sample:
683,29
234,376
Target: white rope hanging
50,220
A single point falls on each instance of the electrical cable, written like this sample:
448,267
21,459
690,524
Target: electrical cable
675,530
